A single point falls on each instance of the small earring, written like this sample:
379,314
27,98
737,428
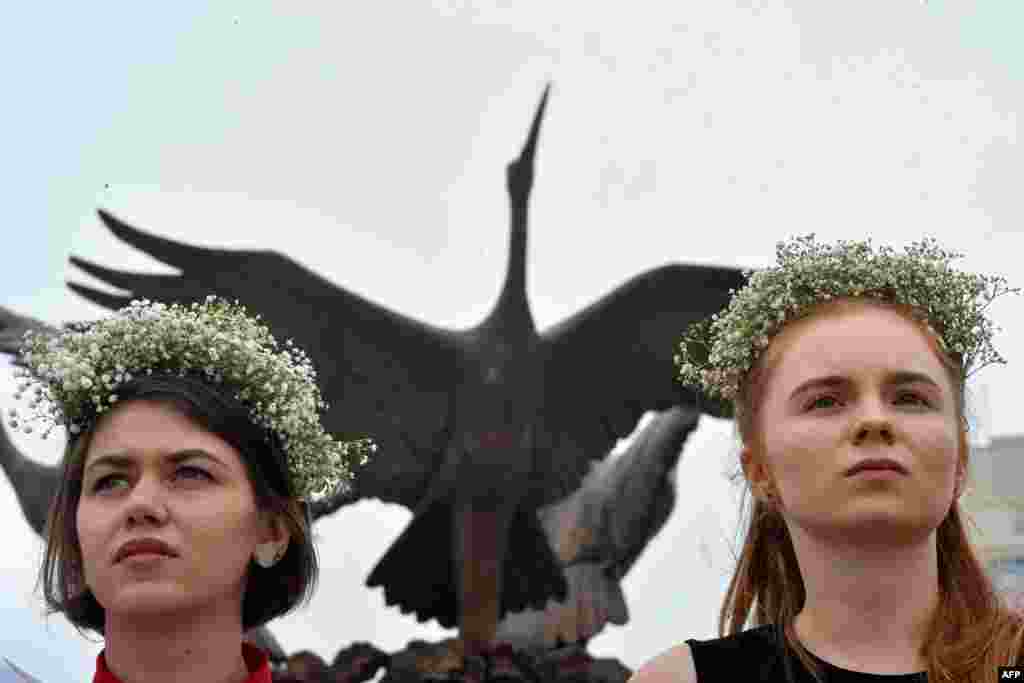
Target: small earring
267,555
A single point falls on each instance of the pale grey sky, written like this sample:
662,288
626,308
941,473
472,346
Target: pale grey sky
370,145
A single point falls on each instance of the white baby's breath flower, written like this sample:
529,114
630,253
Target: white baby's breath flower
716,354
76,373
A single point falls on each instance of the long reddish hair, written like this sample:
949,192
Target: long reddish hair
972,632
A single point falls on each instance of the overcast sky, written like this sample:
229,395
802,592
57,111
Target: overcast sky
370,145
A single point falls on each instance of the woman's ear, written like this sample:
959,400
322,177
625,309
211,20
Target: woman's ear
753,469
758,475
273,541
961,465
961,484
275,530
961,480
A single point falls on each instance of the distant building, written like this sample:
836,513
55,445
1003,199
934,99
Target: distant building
995,502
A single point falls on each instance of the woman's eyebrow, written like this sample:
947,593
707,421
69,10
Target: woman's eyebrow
816,382
124,461
909,377
892,378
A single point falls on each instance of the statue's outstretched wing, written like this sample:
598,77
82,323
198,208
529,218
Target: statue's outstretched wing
626,500
601,529
34,483
384,375
612,362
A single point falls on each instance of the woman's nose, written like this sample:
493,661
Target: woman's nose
873,428
145,501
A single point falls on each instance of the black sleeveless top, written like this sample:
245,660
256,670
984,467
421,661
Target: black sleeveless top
755,655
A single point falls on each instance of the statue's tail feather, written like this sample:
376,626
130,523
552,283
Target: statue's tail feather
531,573
416,572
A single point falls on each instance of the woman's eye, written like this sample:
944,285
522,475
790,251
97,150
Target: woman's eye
201,472
823,402
192,473
102,482
911,398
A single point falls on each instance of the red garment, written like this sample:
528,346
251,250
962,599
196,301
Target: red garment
256,661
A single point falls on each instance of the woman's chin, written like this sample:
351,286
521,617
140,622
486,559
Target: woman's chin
148,598
893,526
872,524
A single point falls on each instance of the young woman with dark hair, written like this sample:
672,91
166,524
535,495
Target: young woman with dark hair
181,520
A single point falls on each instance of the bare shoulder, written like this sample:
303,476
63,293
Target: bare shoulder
671,666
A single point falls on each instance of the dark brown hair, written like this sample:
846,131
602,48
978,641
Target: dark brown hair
971,633
270,592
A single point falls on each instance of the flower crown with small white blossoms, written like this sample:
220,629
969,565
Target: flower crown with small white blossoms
73,376
716,354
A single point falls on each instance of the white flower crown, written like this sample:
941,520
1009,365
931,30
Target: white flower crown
73,377
717,353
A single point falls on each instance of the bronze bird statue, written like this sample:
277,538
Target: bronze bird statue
477,428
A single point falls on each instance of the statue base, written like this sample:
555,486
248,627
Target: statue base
424,662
